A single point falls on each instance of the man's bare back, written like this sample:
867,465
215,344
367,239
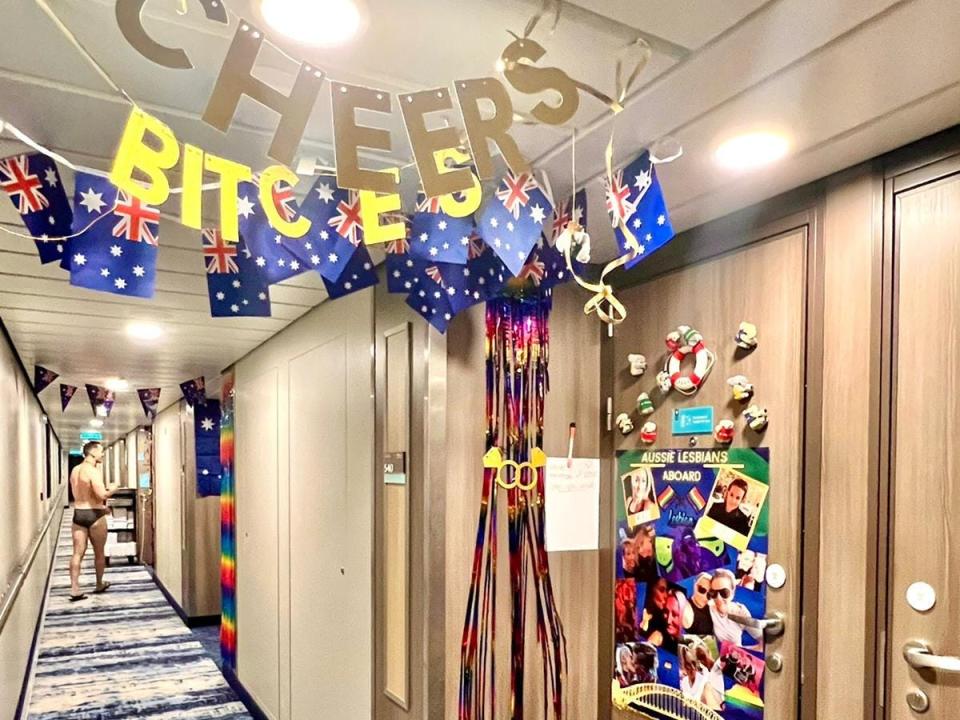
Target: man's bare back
86,481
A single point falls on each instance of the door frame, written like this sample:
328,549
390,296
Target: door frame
923,163
801,208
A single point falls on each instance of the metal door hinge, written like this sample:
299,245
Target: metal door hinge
609,413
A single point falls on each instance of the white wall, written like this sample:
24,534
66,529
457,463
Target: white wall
304,478
131,459
167,499
22,481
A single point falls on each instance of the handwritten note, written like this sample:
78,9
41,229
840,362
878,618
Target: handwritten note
573,504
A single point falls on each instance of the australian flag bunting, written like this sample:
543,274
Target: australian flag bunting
511,222
206,428
150,400
117,254
336,229
43,378
235,287
431,300
194,391
570,209
66,395
33,184
101,400
267,246
358,274
635,199
438,237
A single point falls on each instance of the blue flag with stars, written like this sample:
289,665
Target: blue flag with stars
335,230
438,237
431,300
634,198
235,287
194,391
32,182
511,222
358,274
268,247
117,253
206,429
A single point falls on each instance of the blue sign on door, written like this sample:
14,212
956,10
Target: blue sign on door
693,420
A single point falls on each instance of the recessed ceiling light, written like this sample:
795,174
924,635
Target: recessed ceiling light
324,23
96,423
752,150
144,330
101,411
117,384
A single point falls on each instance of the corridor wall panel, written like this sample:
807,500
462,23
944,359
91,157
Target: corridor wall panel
168,510
304,474
22,483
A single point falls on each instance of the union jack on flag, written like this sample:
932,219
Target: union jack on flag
221,256
619,205
32,182
271,251
516,192
43,378
512,221
234,285
570,209
116,248
347,221
324,248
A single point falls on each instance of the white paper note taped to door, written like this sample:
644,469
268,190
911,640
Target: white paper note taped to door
573,504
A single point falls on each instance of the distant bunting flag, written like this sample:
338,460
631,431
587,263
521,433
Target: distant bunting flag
267,246
206,427
194,391
235,287
150,400
570,209
335,230
634,198
43,378
33,184
513,219
101,400
66,395
117,254
438,237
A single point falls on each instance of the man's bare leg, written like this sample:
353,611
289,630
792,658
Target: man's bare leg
79,549
98,537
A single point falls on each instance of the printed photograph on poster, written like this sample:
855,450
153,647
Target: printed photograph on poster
636,664
735,503
639,496
692,529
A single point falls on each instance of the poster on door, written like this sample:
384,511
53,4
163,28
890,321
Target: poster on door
692,534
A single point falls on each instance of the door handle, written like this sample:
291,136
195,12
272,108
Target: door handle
919,656
772,625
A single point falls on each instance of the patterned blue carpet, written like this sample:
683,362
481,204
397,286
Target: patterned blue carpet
123,654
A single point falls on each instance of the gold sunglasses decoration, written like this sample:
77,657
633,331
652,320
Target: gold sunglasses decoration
494,459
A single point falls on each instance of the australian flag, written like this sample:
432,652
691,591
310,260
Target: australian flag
43,378
634,198
150,400
235,287
66,395
574,209
101,400
438,237
431,299
33,184
482,278
194,391
117,254
336,230
267,246
358,274
511,222
206,428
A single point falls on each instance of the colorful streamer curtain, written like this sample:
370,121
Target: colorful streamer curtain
228,547
517,354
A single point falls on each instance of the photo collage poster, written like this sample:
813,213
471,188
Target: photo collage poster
692,536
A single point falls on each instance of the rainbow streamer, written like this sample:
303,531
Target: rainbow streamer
517,354
228,546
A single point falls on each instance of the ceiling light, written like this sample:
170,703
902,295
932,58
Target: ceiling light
323,23
752,150
144,330
96,423
102,411
117,384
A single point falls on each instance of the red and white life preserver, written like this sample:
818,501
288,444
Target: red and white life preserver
692,343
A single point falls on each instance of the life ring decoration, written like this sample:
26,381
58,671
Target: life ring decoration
682,342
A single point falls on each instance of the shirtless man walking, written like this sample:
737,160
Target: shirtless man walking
89,517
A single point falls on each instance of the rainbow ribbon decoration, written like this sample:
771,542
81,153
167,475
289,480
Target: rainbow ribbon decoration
228,545
517,355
